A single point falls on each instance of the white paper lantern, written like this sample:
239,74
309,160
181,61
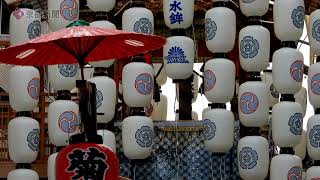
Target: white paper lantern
314,32
139,20
313,173
253,157
63,121
25,174
138,83
23,139
253,104
159,112
285,167
25,24
220,28
218,130
254,48
287,70
266,77
314,85
101,5
62,13
254,8
24,87
178,56
195,89
137,137
52,166
106,98
63,76
162,78
219,85
109,139
288,17
301,149
287,123
178,14
313,137
301,98
107,25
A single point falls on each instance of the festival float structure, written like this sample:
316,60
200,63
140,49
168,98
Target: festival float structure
288,66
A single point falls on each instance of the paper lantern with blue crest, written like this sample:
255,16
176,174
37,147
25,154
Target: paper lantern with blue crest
254,48
287,124
63,121
314,85
219,86
138,83
286,166
63,76
288,17
25,24
253,104
253,157
139,20
313,142
218,131
24,88
287,70
178,56
106,97
178,14
314,32
220,29
137,137
23,139
62,13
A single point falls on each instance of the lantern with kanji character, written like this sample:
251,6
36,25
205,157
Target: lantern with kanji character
178,14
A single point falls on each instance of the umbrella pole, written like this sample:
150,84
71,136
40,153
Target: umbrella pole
82,72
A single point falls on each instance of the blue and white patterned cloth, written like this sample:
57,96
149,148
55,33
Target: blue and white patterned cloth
180,156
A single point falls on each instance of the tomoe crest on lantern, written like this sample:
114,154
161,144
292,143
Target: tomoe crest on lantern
249,103
33,139
209,129
248,158
87,164
298,17
296,70
33,88
211,28
144,83
143,26
144,136
295,123
209,80
316,30
249,47
314,136
69,9
295,173
68,122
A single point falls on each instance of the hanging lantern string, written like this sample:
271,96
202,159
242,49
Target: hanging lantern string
124,6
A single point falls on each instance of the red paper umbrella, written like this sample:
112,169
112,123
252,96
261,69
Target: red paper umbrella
87,161
80,44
